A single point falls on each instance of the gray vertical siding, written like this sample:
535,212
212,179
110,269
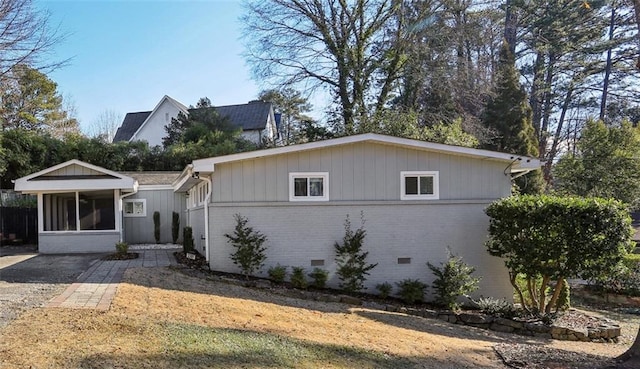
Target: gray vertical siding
361,171
73,170
299,234
140,229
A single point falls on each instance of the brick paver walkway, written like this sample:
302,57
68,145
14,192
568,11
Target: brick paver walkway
97,286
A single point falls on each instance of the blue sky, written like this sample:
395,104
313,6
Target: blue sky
126,55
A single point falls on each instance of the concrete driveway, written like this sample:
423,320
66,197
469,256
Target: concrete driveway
28,279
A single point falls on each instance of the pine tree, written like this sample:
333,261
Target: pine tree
508,114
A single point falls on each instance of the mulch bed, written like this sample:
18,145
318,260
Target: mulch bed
118,256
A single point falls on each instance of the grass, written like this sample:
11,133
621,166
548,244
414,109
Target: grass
215,347
162,319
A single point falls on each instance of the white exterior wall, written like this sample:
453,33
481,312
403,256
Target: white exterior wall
196,222
78,242
140,229
153,129
253,136
299,233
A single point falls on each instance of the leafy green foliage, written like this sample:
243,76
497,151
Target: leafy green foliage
556,238
606,165
384,289
509,117
409,125
497,307
277,273
453,280
187,240
319,277
298,279
175,226
352,267
411,290
249,244
30,100
122,248
156,226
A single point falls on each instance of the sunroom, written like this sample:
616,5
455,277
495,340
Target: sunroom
79,206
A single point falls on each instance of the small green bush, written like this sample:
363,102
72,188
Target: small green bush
175,226
156,226
298,279
384,289
352,268
453,280
277,273
122,248
497,307
319,277
187,242
249,244
411,290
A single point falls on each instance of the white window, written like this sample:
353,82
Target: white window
309,186
135,208
419,185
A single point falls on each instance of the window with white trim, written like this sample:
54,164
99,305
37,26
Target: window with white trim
309,186
419,185
135,207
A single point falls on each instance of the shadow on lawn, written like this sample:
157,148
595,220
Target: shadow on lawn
187,281
438,327
192,346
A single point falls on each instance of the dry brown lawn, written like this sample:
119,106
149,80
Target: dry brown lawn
161,318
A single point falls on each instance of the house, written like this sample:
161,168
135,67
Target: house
417,199
256,119
85,208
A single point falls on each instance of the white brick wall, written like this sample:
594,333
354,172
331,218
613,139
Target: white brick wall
299,234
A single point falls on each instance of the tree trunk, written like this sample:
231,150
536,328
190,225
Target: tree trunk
607,70
510,27
636,7
556,137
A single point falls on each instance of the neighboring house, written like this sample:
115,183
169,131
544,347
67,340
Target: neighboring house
256,119
417,199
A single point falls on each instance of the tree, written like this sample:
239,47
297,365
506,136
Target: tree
508,116
554,238
292,107
200,134
605,165
106,125
26,37
249,244
30,100
342,46
352,267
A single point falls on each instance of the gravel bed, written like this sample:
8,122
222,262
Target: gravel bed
18,297
153,246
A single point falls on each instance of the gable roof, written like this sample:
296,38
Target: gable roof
130,124
251,116
94,178
518,163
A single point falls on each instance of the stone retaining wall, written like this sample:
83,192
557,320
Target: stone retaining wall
606,298
601,330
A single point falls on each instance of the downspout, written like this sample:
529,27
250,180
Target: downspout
206,216
135,191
